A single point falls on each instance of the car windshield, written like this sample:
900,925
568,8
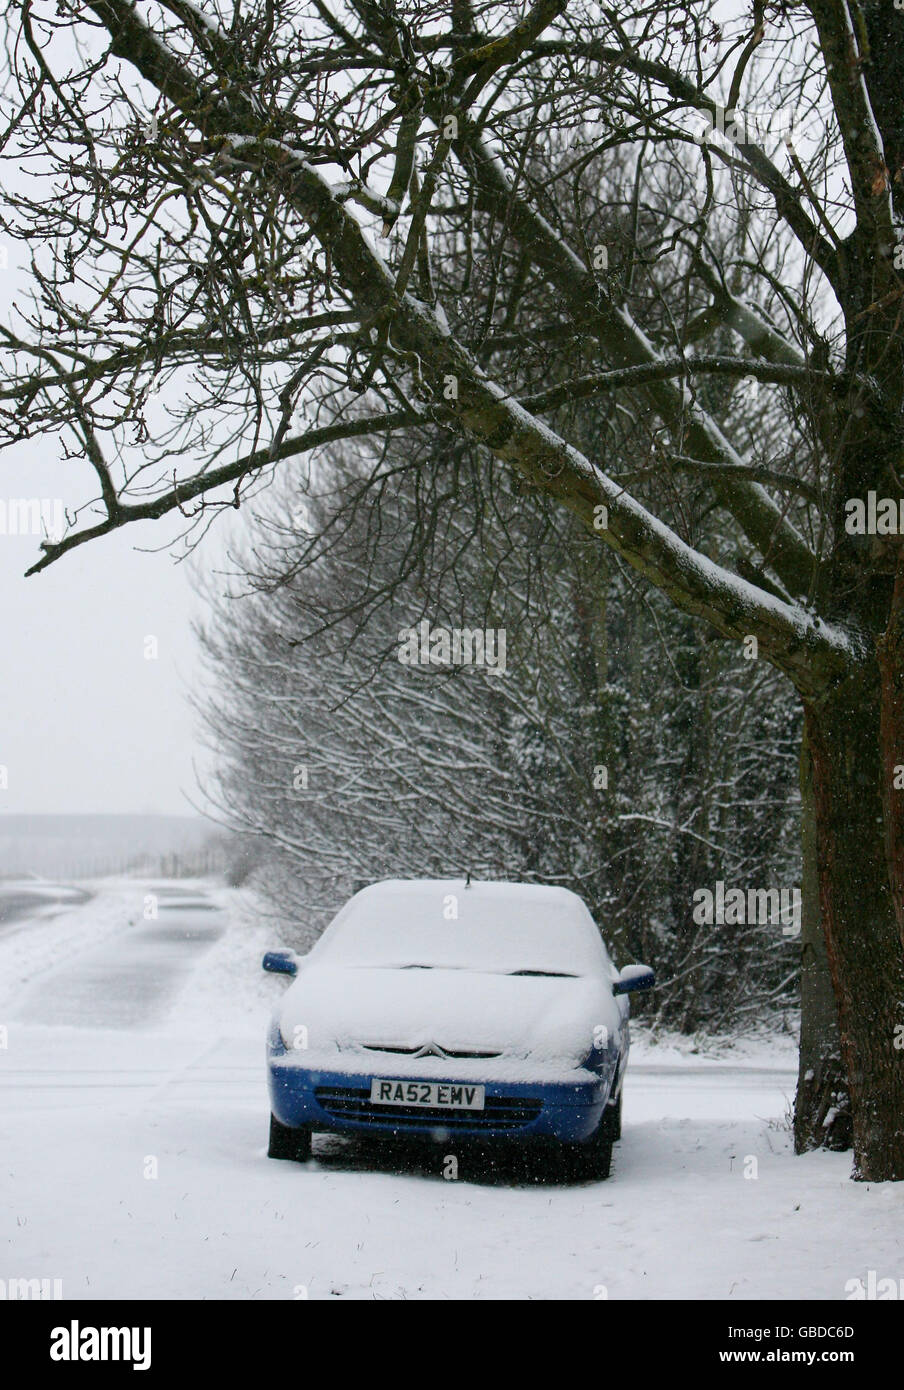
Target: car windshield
512,929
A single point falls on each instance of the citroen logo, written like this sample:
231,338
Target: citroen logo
430,1050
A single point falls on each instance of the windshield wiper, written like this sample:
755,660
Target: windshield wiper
547,974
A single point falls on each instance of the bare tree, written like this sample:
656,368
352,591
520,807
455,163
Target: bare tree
318,222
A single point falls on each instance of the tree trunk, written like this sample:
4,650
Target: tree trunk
822,1107
863,944
891,665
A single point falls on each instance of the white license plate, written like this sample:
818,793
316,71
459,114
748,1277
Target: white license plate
435,1095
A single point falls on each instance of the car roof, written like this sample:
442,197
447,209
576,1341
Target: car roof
503,888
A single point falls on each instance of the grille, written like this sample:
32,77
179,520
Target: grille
499,1112
434,1050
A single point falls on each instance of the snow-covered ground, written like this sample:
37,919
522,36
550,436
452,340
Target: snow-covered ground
133,1150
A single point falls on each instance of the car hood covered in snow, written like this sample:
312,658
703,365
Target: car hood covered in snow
458,1011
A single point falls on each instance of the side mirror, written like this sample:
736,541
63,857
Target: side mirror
633,977
280,962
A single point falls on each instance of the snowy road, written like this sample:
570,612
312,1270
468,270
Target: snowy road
23,901
128,984
133,1117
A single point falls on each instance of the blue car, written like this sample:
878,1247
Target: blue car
454,1011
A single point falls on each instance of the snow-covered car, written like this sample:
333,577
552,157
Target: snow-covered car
454,1011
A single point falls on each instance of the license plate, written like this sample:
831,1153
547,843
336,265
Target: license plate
441,1095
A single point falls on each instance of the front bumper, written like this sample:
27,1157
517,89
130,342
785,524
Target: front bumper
339,1102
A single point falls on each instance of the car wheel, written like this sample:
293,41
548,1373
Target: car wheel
612,1119
591,1161
285,1142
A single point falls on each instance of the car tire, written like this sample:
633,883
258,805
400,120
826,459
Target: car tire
612,1118
285,1142
592,1160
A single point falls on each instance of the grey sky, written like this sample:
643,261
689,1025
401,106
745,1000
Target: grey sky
87,723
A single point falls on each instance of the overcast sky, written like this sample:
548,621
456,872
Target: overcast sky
87,722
